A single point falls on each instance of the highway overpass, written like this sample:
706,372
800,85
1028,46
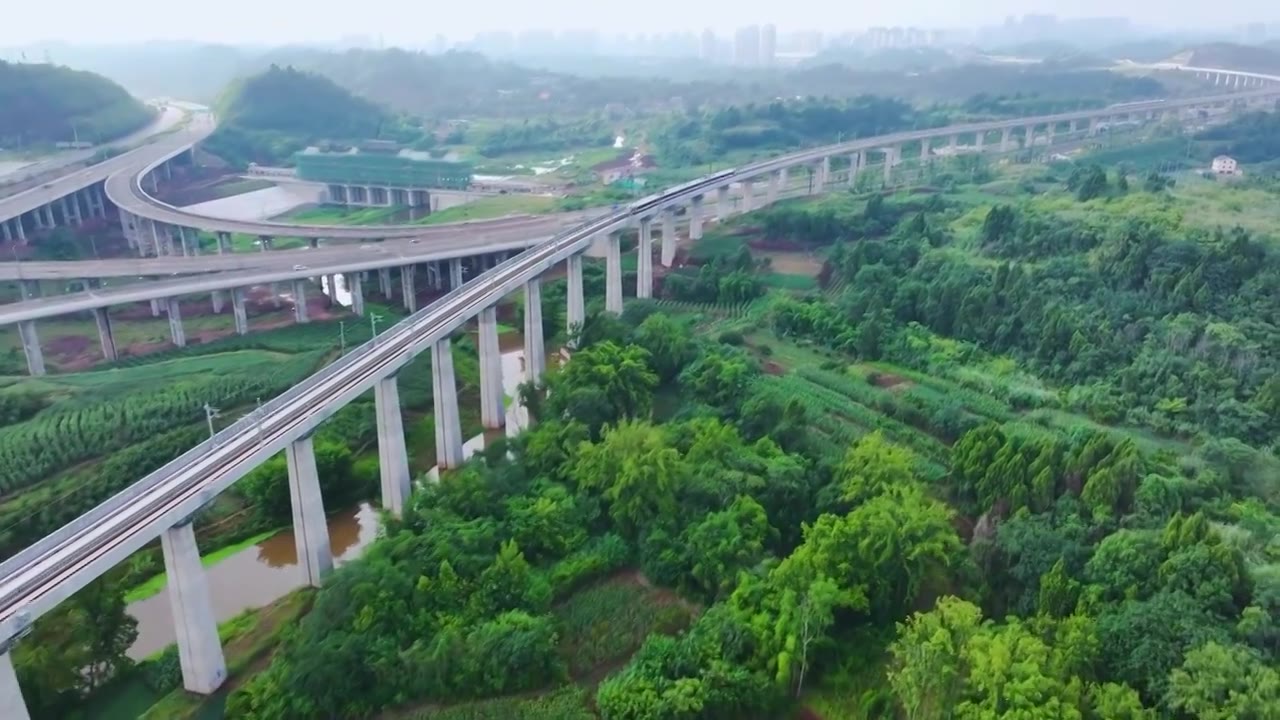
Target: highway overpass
163,503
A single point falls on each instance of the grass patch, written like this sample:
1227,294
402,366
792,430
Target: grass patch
495,206
604,624
566,703
794,283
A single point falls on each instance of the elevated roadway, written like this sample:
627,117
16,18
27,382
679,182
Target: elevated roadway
162,503
463,236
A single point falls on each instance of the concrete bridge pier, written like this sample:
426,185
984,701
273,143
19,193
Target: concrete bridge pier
722,203
48,213
695,218
393,460
155,308
224,243
784,180
748,194
355,286
199,650
264,242
979,139
175,323
218,301
577,312
1029,137
407,289
644,261
535,352
1004,139
12,706
826,173
890,159
455,273
613,274
300,301
668,237
31,347
771,190
103,319
444,391
855,164
238,310
384,282
310,533
30,289
492,412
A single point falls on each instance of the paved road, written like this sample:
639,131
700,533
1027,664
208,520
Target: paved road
170,116
461,235
375,257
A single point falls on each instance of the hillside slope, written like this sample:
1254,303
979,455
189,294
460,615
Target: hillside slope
48,103
269,116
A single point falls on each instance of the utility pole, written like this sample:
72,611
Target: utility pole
209,414
342,337
373,324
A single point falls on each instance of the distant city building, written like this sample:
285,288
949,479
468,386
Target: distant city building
768,44
746,46
708,48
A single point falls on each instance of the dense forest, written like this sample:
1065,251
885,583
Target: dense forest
1251,138
268,117
44,104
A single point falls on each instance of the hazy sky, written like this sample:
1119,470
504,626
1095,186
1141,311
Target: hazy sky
415,22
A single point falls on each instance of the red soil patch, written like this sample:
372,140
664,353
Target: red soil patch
774,368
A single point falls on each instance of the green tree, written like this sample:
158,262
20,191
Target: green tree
670,344
874,466
1225,682
634,470
726,543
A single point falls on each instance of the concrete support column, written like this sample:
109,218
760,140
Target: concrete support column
4,230
952,142
393,460
1004,139
577,314
644,264
613,274
890,159
224,243
826,172
384,282
12,706
38,213
355,286
695,217
535,352
455,273
265,242
407,289
218,301
66,210
175,323
30,289
783,180
238,310
1030,140
313,243
31,347
668,237
300,301
979,139
103,320
1049,130
492,412
331,283
771,190
155,308
199,650
444,391
722,203
748,194
855,162
310,533
48,212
